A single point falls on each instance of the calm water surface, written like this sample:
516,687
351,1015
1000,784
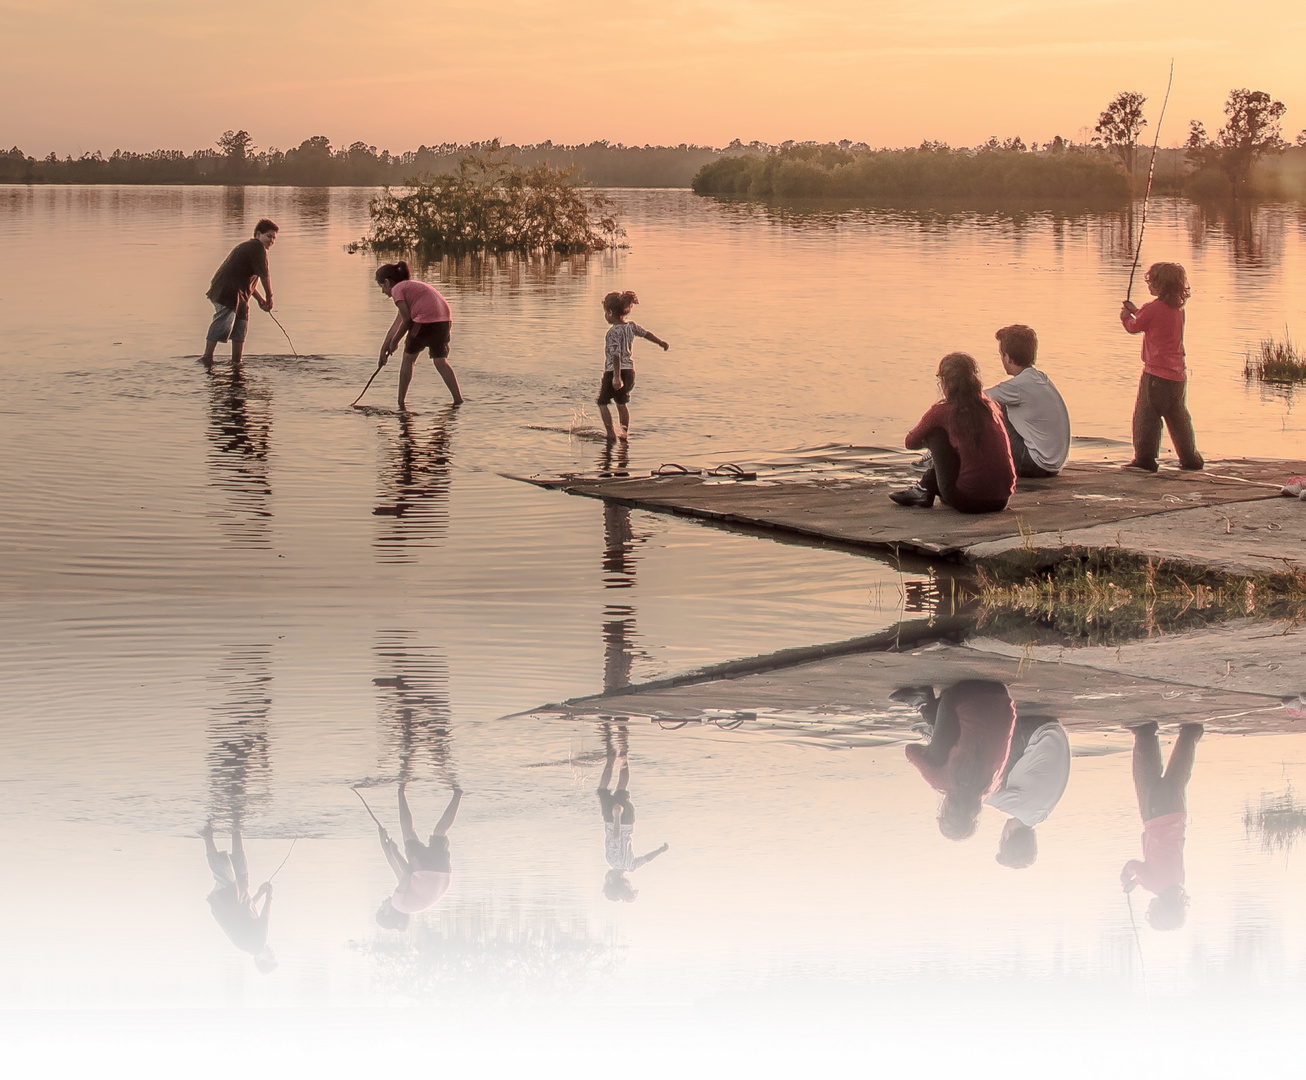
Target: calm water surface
226,593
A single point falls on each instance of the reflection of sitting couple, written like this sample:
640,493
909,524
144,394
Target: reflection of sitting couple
236,911
1163,805
619,822
979,751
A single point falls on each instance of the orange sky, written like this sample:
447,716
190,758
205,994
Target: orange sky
81,75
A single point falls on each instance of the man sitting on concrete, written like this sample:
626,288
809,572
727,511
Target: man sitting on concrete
1038,424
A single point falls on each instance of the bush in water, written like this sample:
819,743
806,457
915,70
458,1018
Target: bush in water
492,204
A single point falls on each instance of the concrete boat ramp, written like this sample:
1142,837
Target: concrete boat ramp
1230,517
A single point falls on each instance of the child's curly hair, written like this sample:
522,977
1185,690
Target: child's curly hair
1171,283
617,304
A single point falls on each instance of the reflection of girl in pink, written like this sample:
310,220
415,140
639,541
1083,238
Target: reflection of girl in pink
972,723
1163,804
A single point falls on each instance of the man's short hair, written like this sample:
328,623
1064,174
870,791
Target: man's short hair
1020,343
267,225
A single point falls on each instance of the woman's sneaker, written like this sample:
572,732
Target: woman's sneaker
912,496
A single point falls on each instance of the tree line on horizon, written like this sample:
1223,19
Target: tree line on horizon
1106,168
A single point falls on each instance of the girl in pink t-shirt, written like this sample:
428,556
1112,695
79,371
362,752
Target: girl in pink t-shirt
425,319
1163,387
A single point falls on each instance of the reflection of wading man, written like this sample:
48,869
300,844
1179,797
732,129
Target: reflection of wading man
233,907
1163,804
423,871
970,738
233,285
619,828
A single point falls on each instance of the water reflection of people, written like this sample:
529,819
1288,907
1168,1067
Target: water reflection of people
1033,781
239,778
239,432
414,488
971,725
619,821
619,542
1163,805
236,911
423,871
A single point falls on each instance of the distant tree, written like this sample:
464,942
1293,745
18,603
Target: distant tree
1301,137
1120,125
1251,132
236,145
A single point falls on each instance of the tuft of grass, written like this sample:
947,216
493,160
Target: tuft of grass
1105,596
1276,362
1280,822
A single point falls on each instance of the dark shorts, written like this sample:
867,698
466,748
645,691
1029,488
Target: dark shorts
429,335
433,856
607,394
620,797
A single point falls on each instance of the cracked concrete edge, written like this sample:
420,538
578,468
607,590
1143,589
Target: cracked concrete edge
1148,536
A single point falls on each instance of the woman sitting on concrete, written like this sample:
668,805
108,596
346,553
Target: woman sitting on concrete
972,470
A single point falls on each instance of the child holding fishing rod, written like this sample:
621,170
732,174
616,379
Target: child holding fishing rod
423,872
1163,387
424,319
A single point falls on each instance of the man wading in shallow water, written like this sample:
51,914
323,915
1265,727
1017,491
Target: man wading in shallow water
233,285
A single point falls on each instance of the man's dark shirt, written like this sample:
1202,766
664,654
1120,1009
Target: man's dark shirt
234,281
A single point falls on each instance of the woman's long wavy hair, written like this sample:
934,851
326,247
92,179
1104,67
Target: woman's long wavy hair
960,379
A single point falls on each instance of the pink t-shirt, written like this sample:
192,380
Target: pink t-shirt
1162,327
425,304
422,890
1162,866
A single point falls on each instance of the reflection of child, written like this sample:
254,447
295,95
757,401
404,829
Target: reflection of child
972,723
1163,387
233,907
423,871
618,832
1162,802
618,365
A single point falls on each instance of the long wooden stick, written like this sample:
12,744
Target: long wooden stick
360,398
283,330
1151,171
366,807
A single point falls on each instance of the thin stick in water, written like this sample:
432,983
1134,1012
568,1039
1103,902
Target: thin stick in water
1151,171
283,330
366,807
285,860
360,397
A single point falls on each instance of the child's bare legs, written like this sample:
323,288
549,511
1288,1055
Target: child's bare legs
450,812
450,379
405,377
623,414
606,413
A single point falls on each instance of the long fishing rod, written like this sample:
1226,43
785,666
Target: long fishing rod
283,330
1151,171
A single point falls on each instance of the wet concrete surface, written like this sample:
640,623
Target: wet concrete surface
1230,516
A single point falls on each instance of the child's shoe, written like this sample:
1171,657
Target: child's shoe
1143,466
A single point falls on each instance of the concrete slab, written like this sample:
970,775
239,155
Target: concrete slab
1245,538
857,511
845,700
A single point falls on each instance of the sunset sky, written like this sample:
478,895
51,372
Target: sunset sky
82,75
